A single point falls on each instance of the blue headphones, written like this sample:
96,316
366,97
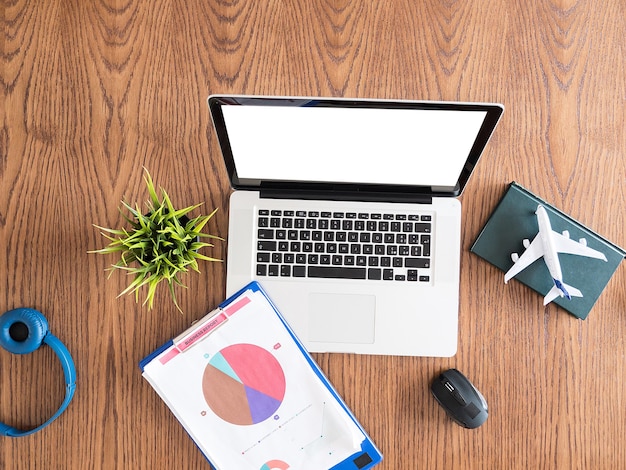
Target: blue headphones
22,331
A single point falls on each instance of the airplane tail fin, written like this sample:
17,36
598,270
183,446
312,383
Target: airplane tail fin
560,289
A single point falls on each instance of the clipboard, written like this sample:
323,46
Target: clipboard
251,397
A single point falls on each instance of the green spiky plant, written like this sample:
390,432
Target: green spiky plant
159,245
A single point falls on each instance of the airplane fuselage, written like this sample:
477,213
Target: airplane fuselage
550,255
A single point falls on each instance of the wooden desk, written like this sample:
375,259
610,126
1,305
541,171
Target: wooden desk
93,91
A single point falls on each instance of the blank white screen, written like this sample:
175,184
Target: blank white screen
351,145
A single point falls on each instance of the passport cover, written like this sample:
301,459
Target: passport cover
514,219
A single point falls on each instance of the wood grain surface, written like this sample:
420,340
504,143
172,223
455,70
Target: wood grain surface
93,91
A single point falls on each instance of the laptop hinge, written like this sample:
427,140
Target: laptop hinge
364,196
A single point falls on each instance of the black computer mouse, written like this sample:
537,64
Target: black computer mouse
461,400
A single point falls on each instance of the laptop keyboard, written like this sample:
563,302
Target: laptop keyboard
344,245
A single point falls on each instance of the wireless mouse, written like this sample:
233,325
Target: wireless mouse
461,400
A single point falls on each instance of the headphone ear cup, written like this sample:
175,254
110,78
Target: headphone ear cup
36,326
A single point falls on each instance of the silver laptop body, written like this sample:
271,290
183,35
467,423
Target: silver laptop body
346,212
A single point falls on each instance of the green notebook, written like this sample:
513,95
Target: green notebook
514,220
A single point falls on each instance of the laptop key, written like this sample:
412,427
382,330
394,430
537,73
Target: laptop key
265,245
416,263
374,274
265,234
332,272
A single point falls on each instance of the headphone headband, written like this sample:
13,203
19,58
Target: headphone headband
22,331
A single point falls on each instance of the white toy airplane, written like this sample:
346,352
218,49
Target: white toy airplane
548,244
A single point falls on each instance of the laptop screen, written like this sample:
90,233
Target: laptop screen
351,143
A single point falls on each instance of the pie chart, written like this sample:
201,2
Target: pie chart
275,465
243,384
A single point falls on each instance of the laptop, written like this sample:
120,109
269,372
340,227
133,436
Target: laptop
346,212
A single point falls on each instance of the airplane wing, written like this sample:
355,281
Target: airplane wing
564,244
532,254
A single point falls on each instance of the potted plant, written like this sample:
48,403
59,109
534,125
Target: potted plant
160,244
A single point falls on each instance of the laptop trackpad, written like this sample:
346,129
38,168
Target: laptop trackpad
341,318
